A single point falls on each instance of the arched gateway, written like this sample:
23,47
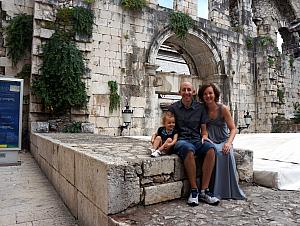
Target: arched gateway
204,62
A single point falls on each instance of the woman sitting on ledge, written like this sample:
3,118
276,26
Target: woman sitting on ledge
225,185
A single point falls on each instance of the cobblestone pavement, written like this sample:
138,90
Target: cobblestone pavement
263,206
28,199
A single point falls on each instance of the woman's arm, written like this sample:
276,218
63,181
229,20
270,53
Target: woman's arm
230,124
204,133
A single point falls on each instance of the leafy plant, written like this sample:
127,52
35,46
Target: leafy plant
88,1
134,4
249,42
238,29
77,18
180,23
59,85
74,127
25,72
82,20
297,115
271,61
114,98
266,40
280,95
291,61
19,37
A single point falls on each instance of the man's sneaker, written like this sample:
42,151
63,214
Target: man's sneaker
156,153
193,199
207,196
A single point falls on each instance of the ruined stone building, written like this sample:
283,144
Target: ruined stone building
236,48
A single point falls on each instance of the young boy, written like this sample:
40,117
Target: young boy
166,136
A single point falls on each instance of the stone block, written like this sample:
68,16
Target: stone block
39,127
68,193
162,192
87,127
91,180
244,164
164,165
123,187
66,163
89,214
179,169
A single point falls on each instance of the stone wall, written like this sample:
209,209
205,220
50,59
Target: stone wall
124,48
98,176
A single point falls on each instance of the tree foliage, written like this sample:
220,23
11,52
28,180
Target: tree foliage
19,37
59,85
180,23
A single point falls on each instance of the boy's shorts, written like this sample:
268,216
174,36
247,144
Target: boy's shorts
182,147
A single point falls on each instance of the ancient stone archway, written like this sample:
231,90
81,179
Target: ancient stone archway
199,51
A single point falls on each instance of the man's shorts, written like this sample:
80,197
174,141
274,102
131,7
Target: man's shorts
182,147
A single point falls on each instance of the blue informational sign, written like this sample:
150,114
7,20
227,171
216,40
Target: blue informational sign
11,100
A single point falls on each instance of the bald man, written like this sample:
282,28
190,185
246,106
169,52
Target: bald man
191,119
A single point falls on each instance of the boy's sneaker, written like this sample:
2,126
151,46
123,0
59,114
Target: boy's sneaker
156,153
193,199
207,196
151,150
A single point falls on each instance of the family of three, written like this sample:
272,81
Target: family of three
206,131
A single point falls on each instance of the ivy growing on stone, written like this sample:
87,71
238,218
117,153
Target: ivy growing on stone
77,20
291,62
180,23
114,97
266,40
74,127
280,94
19,37
249,42
134,4
59,85
271,61
25,72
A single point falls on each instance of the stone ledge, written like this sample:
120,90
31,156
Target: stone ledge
113,174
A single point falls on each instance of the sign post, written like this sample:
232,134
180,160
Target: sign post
11,102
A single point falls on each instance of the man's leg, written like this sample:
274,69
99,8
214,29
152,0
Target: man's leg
185,151
190,168
207,168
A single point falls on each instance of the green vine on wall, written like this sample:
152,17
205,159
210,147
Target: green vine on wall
74,127
249,42
266,40
25,72
19,37
59,85
180,23
77,20
114,97
280,94
271,61
291,61
134,4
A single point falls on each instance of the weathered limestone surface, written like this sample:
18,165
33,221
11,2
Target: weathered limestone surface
111,174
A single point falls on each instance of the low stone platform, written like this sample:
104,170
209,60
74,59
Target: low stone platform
98,176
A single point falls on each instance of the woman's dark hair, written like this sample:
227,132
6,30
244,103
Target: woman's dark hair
204,87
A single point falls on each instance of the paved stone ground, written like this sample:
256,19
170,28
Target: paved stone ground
263,206
28,199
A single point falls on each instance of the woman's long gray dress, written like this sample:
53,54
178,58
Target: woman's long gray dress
225,185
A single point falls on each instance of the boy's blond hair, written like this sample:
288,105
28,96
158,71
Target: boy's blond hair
166,115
